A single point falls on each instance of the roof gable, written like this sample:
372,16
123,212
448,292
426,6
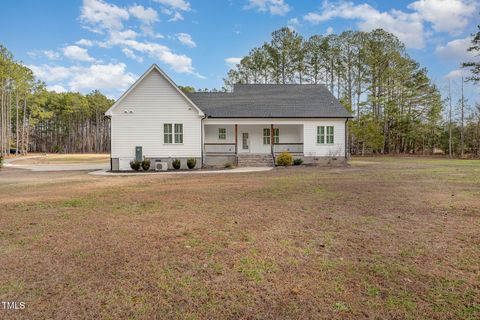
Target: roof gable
154,67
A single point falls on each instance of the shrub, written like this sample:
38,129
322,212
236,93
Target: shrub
145,164
176,164
1,162
135,165
284,159
228,165
297,161
57,149
191,163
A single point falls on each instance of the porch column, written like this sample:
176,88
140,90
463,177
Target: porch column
236,139
271,138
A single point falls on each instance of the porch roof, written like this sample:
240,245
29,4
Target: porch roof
271,101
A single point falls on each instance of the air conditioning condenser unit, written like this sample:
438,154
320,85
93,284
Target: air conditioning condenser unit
161,166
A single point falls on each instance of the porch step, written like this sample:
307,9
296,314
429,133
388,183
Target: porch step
255,160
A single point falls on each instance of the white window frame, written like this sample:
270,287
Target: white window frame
329,134
178,133
167,134
173,133
266,136
222,133
325,134
276,135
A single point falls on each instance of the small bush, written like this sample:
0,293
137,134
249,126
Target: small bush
135,165
228,165
297,161
285,159
146,164
176,164
57,149
1,162
191,163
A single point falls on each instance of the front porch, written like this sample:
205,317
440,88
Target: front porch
240,142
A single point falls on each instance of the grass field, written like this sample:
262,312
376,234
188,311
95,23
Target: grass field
385,238
61,159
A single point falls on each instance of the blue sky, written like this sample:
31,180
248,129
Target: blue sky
94,44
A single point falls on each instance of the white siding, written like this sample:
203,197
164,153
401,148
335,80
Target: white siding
154,101
310,146
211,133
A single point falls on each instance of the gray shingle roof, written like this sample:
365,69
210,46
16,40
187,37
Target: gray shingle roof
271,101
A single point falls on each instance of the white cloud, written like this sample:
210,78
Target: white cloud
57,88
329,31
147,16
232,61
85,42
51,73
101,15
173,8
119,37
77,53
105,76
176,4
293,23
456,50
84,79
186,39
177,16
458,73
407,27
52,55
445,15
274,7
130,54
178,62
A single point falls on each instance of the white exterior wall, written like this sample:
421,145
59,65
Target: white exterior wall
211,133
291,131
154,101
310,146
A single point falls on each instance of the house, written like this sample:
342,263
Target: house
154,119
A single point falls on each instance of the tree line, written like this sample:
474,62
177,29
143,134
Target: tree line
396,107
37,120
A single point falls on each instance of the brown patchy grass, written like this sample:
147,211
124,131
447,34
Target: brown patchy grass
60,159
384,239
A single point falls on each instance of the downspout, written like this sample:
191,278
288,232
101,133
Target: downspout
201,136
111,161
346,139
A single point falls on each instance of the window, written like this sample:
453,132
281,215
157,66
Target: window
276,135
222,133
266,136
169,136
325,135
167,133
178,133
330,135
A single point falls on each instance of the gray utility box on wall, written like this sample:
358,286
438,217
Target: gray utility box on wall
138,153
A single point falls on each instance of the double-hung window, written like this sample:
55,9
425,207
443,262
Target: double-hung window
266,136
276,135
178,133
330,135
325,135
167,133
173,133
222,133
